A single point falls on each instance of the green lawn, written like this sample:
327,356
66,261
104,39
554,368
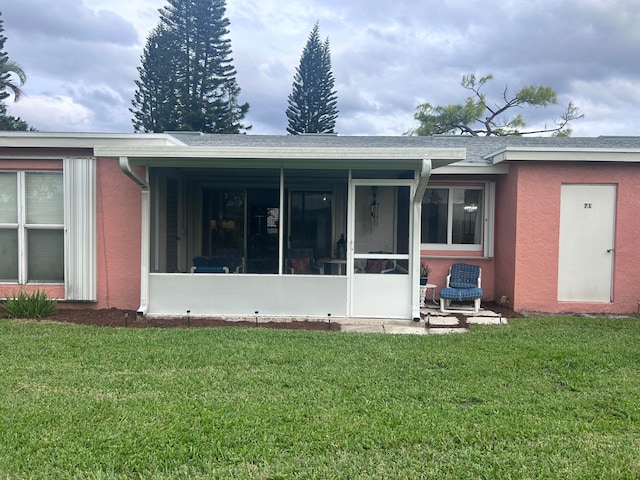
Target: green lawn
538,398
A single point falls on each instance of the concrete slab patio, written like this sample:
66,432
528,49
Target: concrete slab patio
432,321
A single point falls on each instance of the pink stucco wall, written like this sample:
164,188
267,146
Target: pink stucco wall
119,230
527,228
538,227
505,233
118,237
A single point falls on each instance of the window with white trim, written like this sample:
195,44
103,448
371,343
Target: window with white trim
31,227
453,217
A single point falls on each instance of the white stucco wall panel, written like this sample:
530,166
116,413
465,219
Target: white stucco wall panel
243,295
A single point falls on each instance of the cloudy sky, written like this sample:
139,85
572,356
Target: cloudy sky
81,56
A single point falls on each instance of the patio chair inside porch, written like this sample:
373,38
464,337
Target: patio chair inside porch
383,265
378,265
209,265
463,284
301,261
233,259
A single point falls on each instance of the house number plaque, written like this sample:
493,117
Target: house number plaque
587,205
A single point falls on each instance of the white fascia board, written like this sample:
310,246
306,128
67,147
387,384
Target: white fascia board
468,169
82,140
251,156
564,155
454,154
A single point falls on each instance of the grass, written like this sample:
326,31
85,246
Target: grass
539,398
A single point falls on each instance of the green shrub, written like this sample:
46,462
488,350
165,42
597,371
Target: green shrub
30,305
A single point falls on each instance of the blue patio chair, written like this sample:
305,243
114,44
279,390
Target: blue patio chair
463,284
209,265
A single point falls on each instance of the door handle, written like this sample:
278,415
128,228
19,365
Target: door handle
609,250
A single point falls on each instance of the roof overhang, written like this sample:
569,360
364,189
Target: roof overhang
564,155
283,156
83,140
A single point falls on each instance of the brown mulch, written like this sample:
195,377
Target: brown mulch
113,317
505,312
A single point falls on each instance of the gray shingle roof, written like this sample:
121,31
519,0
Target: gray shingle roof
477,147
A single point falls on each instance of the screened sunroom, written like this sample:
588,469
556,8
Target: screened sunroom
298,229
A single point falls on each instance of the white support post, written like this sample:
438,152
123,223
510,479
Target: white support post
421,186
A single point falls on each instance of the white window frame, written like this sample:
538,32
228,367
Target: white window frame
79,227
488,209
23,227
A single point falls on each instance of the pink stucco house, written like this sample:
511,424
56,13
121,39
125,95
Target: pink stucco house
303,226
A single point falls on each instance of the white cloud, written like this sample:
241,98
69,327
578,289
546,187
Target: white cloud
53,113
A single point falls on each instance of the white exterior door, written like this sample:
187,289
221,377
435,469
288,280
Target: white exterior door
378,249
587,226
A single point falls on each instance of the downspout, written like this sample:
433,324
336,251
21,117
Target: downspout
145,233
423,179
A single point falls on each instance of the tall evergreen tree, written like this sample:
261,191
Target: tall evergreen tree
10,71
155,105
313,100
187,79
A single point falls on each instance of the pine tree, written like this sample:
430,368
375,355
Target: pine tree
187,79
313,100
478,116
153,110
9,71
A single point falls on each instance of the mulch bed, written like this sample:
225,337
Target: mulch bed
113,317
505,312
